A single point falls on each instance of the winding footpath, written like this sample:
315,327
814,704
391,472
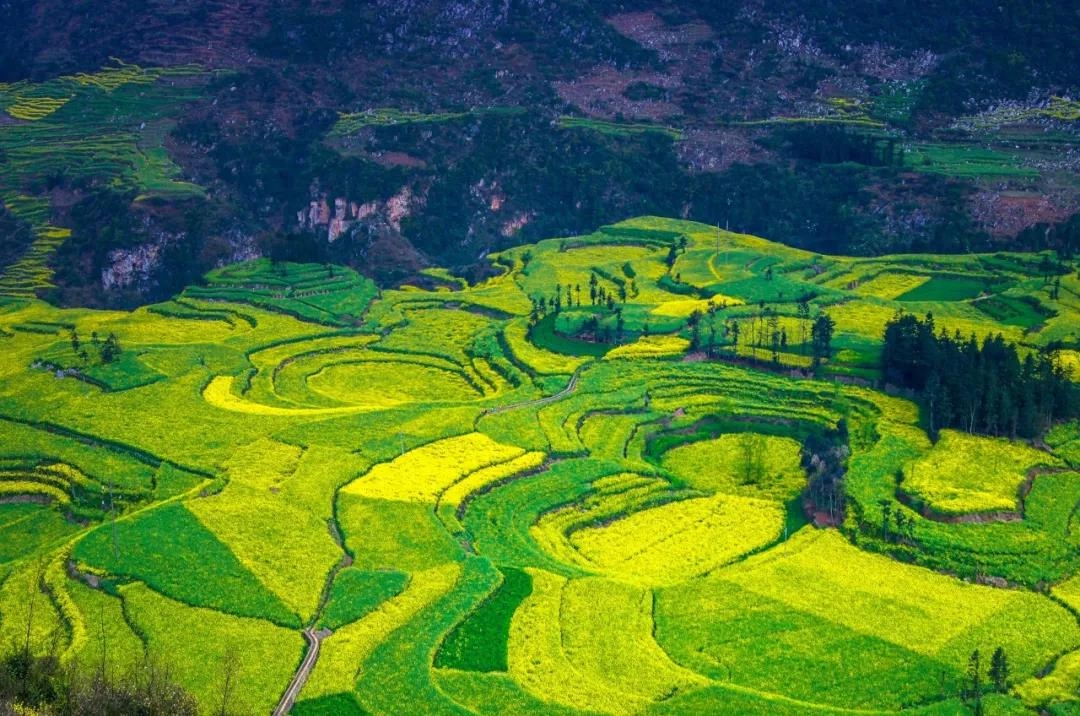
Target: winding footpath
571,386
288,699
315,637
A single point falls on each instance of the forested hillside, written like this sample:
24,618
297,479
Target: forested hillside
142,144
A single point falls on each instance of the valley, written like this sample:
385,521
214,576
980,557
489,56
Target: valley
656,468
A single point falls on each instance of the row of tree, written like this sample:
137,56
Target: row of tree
982,388
762,331
998,680
569,296
766,333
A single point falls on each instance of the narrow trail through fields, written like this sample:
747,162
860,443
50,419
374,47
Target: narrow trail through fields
571,386
288,699
712,267
315,636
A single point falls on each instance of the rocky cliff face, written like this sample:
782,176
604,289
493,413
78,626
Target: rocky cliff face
331,221
139,269
132,268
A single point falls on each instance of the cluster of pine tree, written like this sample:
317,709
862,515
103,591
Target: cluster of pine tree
108,350
982,388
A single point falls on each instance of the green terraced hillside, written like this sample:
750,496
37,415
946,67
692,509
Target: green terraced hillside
577,487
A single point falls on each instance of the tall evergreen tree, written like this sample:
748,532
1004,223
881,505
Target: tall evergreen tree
975,691
999,670
821,334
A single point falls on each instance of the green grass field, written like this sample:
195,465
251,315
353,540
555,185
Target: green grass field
480,515
618,129
967,161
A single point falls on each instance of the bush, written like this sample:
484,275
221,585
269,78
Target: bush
39,683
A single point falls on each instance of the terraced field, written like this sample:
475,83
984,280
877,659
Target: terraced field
109,126
595,509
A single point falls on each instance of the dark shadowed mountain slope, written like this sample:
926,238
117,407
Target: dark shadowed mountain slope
388,135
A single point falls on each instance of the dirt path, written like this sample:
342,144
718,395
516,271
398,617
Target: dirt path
712,267
571,386
315,637
288,699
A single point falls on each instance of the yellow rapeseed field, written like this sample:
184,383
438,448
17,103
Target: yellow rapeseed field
607,631
682,308
537,359
740,463
344,652
909,606
265,655
890,285
680,540
219,393
31,109
456,493
965,473
651,347
538,661
1061,684
421,475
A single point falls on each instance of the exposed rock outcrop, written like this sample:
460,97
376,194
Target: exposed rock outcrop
346,213
133,267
